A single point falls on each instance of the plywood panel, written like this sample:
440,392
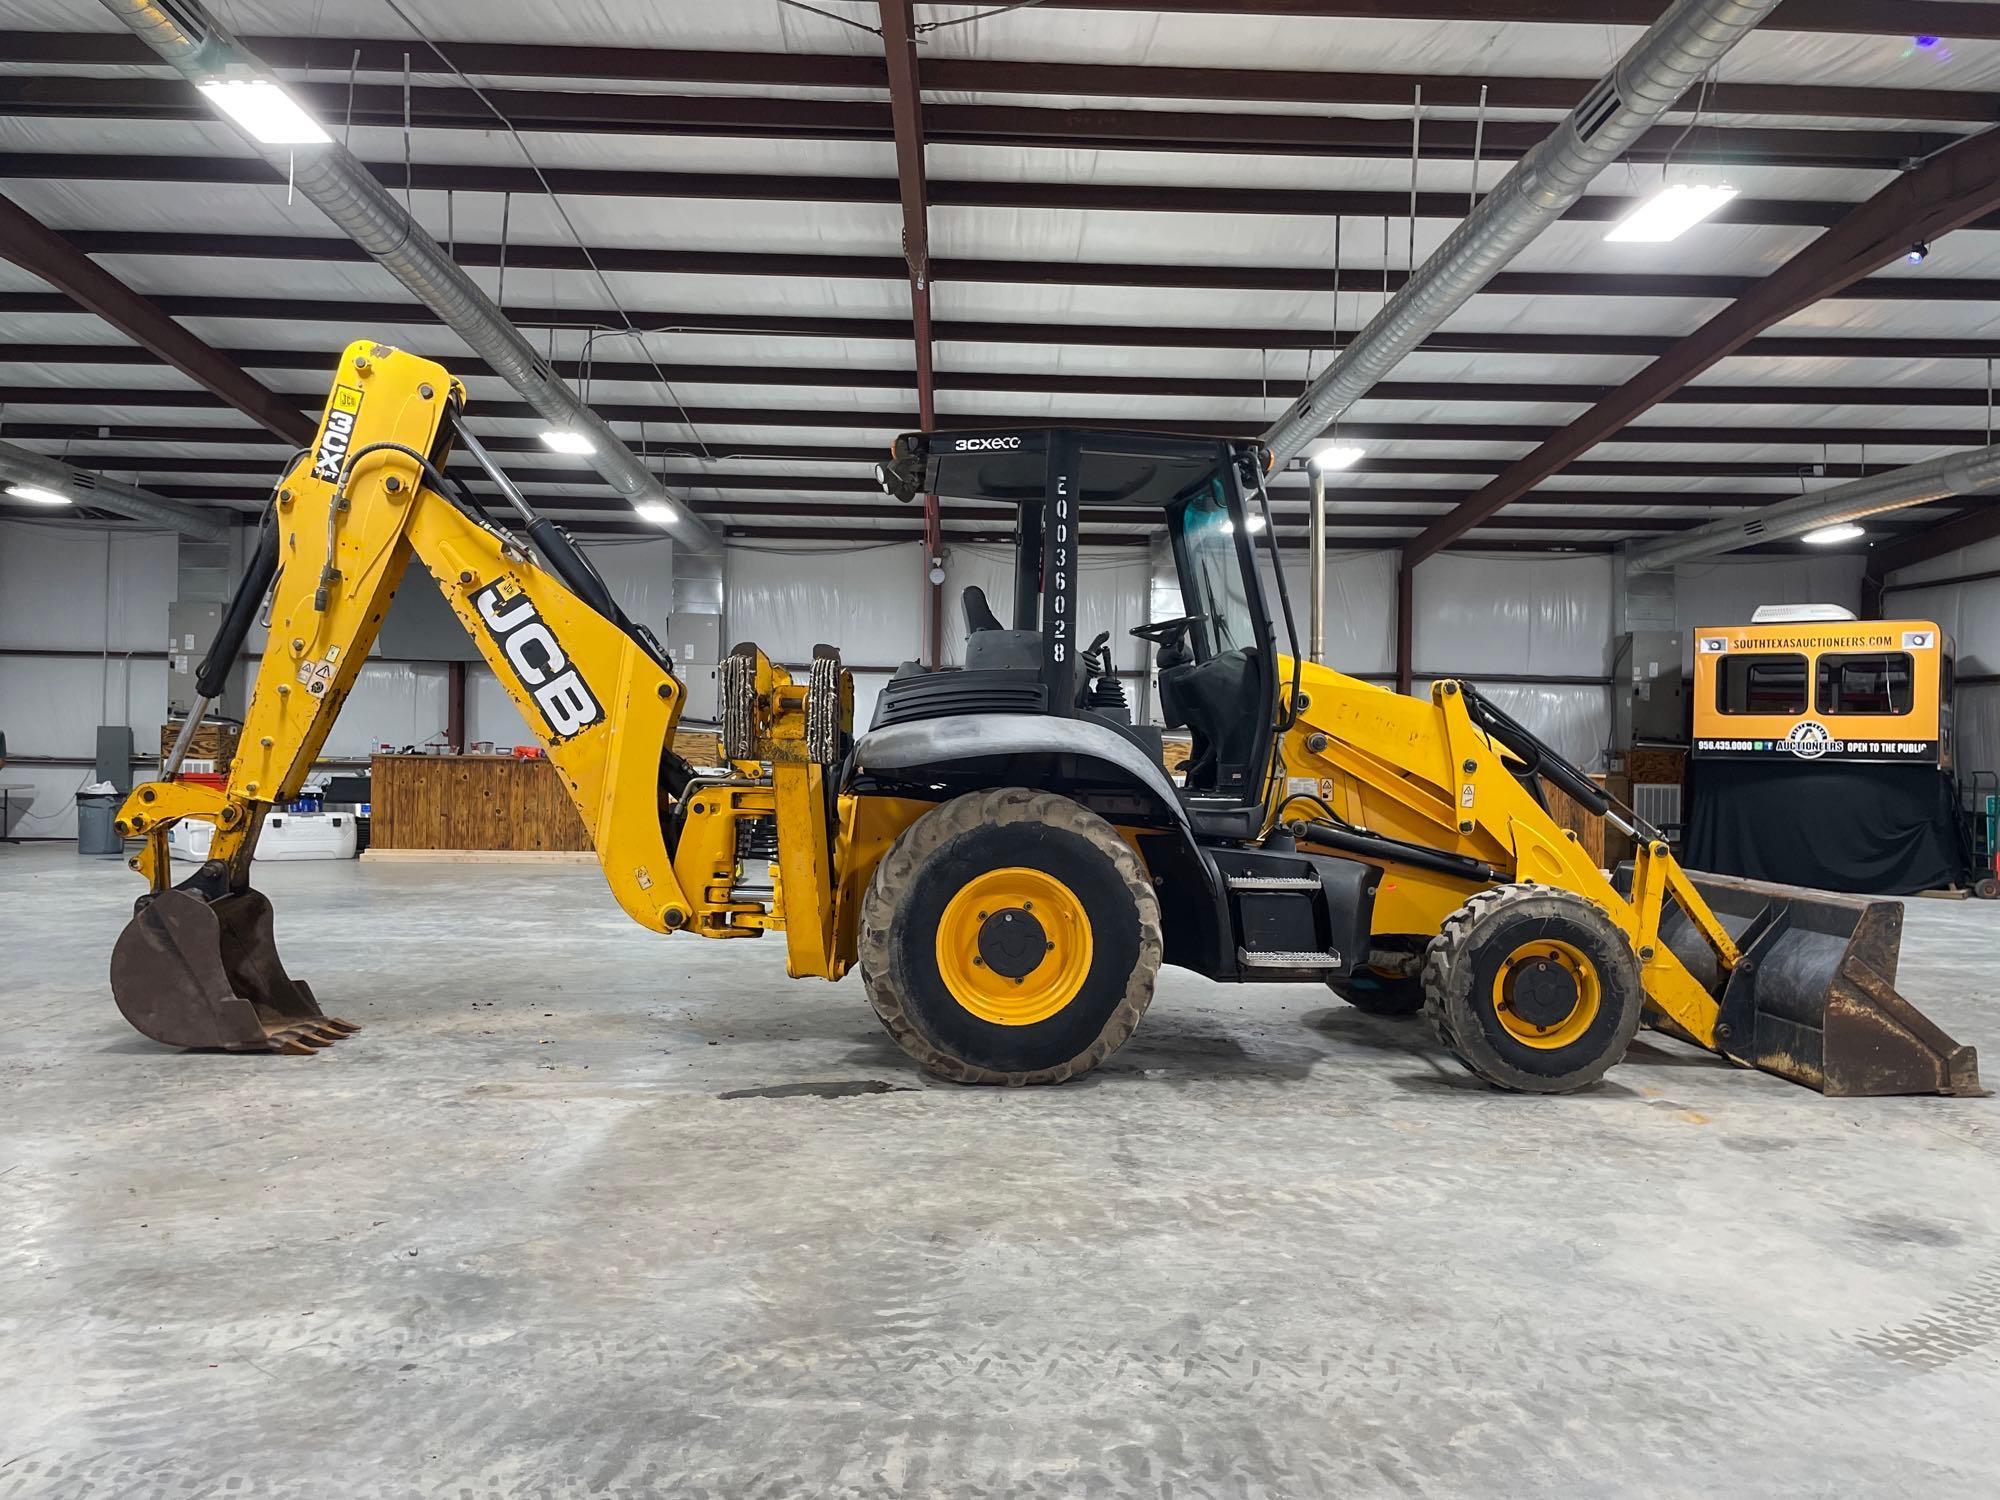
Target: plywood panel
472,802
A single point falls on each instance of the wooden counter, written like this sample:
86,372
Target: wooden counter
471,802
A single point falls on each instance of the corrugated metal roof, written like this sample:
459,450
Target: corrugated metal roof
1538,356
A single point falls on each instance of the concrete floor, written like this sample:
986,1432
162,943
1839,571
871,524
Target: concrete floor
584,1211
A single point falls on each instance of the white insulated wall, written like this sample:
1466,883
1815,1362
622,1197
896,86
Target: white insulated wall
98,597
1970,614
1534,630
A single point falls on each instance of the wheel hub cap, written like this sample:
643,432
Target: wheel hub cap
1014,945
1547,994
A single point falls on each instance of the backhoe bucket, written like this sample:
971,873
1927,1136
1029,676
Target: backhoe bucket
1814,998
193,973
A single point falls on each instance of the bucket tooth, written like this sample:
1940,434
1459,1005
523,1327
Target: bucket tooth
193,972
1814,997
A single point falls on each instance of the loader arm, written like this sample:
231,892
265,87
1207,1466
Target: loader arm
350,515
1795,982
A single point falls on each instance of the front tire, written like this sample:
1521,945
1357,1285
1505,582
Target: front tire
1533,989
1010,937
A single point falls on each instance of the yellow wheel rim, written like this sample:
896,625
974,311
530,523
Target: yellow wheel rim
1013,946
1534,985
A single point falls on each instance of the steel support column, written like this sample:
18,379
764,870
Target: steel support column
899,48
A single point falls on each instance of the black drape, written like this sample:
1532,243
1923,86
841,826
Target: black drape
1885,830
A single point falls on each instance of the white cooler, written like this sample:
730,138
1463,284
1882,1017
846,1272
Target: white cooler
289,835
286,835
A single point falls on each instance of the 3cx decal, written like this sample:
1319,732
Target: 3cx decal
342,412
538,659
984,445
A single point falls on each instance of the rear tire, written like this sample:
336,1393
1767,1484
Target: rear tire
1533,989
1010,937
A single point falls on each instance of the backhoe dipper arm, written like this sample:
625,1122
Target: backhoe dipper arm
349,516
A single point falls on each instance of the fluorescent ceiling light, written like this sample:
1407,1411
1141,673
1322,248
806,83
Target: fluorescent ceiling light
265,110
1337,456
1670,213
656,512
1840,531
34,494
1253,524
568,440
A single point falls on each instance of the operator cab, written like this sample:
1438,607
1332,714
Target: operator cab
1211,640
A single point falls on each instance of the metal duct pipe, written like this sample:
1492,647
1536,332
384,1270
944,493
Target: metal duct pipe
19,466
1681,46
1316,571
1935,479
185,35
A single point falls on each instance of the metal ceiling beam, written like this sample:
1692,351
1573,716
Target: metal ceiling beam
1954,18
1283,496
1094,335
574,112
1042,77
1846,436
1439,391
209,246
1967,529
625,182
43,253
1947,192
190,40
1288,519
1467,467
1684,45
1284,488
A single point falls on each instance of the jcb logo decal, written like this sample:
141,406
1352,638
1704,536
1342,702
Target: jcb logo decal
538,659
338,434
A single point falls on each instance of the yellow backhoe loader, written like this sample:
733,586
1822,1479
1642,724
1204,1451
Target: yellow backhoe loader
1003,852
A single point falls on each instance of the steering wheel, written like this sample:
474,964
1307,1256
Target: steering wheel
1164,632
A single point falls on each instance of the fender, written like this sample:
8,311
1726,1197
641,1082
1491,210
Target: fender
1093,763
980,750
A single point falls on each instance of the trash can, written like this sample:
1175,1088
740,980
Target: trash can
96,812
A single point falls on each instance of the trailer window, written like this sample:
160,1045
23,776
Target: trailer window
1768,683
1873,682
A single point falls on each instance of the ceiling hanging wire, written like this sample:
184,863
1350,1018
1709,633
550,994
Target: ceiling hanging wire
407,171
1416,154
1478,150
576,237
1613,115
978,15
347,129
500,286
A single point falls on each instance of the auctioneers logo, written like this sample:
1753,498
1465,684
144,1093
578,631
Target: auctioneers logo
1809,739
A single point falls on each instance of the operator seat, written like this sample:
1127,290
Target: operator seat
1216,702
991,646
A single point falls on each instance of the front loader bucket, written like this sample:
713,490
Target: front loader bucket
195,973
1814,998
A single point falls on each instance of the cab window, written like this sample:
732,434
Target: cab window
1769,683
1212,574
1874,682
